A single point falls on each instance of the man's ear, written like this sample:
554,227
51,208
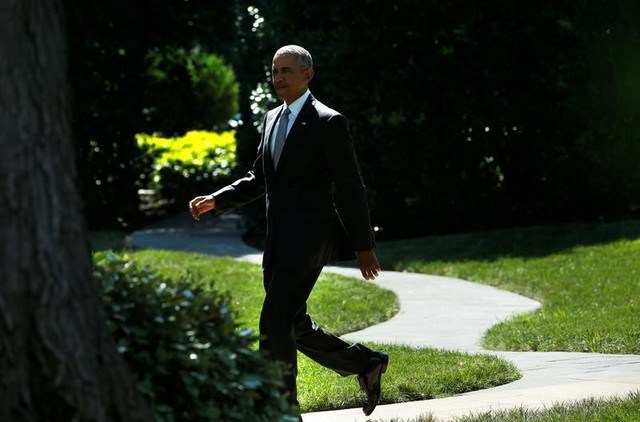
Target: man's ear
309,73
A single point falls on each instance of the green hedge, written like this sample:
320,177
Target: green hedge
192,362
194,164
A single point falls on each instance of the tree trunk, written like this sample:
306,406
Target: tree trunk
57,360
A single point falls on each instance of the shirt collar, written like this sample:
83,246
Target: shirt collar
296,106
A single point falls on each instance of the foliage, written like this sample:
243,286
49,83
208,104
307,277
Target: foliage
252,63
482,114
191,361
470,115
189,89
109,45
190,165
195,147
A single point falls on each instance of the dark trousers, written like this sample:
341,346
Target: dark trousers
286,327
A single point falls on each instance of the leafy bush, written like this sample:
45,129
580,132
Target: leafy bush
189,89
196,163
191,361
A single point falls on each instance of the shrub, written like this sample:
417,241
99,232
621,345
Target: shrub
190,359
198,162
189,89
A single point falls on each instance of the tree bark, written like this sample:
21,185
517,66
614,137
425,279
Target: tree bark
58,362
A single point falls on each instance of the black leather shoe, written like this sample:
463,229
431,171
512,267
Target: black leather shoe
370,381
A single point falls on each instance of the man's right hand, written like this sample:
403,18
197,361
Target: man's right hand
201,205
368,263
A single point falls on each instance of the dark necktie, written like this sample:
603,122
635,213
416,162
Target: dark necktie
283,122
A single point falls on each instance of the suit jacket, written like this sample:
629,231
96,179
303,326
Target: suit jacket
316,201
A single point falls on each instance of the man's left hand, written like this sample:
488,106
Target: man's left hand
368,263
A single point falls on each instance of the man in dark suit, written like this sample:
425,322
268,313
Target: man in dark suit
316,213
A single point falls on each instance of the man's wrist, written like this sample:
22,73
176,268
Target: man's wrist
364,251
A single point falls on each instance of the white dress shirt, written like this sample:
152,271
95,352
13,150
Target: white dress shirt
295,108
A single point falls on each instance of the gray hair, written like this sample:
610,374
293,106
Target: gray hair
301,55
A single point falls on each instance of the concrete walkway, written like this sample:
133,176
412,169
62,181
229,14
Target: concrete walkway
435,312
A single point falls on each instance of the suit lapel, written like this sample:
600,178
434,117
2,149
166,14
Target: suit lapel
272,117
298,129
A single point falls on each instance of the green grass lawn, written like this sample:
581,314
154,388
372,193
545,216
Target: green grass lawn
617,409
413,373
586,276
367,304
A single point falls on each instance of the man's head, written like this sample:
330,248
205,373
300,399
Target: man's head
291,71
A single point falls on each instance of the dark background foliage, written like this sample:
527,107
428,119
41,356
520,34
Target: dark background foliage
115,97
466,115
470,115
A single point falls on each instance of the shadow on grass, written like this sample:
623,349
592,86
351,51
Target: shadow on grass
525,242
535,241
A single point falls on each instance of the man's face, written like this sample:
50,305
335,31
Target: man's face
289,79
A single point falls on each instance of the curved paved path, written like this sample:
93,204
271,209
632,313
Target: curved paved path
450,314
